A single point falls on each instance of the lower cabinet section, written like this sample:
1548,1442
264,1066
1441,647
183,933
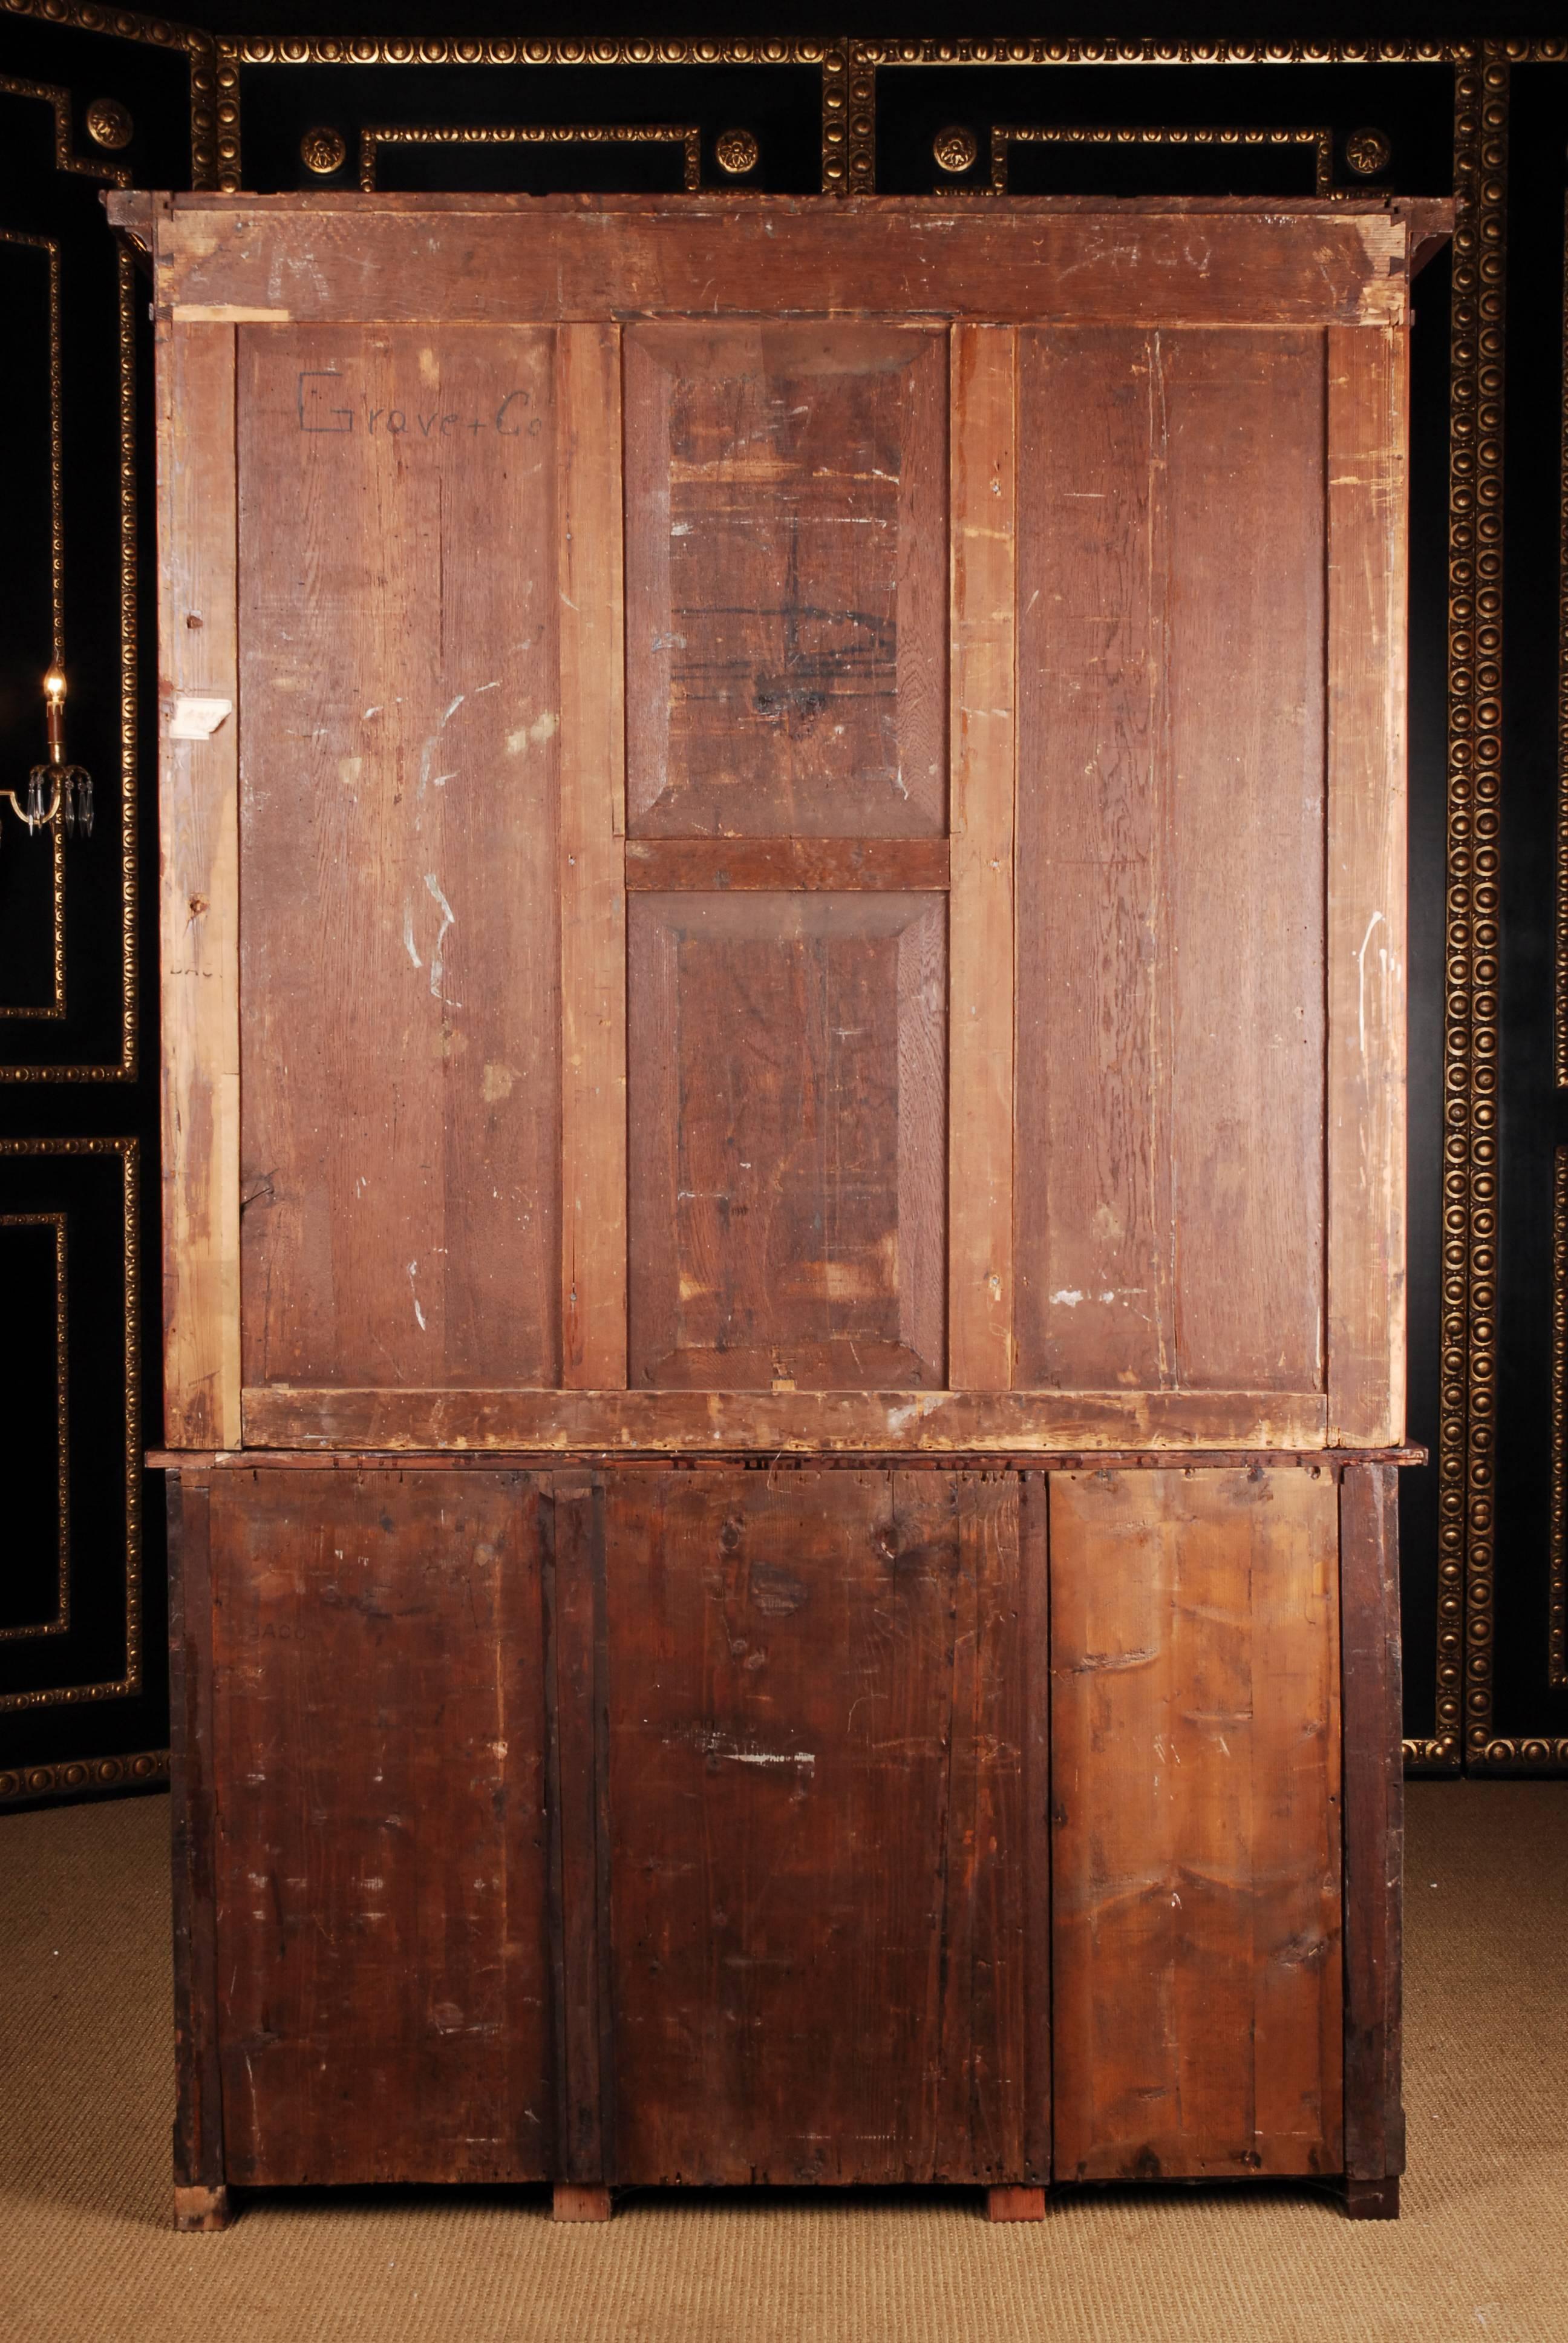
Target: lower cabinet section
782,1823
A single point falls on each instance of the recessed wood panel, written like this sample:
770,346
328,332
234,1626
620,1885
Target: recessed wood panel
399,719
380,1734
1171,1031
786,1086
786,581
817,1711
1195,1796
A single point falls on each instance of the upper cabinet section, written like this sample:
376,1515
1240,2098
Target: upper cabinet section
807,846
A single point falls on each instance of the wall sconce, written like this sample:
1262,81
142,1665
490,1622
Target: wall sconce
57,791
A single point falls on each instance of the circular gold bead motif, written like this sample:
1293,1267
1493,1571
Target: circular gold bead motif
956,147
737,151
323,151
1367,152
109,124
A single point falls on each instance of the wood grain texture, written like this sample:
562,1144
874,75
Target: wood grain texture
402,724
1195,1770
983,714
1034,1632
199,889
1368,582
784,580
198,2162
381,1867
1170,811
1374,1827
815,1731
579,1836
787,1089
778,1422
715,866
494,257
592,878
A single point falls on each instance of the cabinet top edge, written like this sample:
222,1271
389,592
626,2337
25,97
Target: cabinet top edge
130,207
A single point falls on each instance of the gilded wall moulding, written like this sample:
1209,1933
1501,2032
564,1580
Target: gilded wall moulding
151,32
76,1777
59,1624
378,135
129,1682
1318,140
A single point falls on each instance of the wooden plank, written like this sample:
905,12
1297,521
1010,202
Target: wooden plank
580,1842
785,627
1367,574
802,1670
198,2163
1034,1604
1095,1218
716,865
1374,1829
398,812
1244,723
199,888
982,715
592,871
482,1460
1195,1795
1170,1024
381,1886
297,1417
548,257
786,1088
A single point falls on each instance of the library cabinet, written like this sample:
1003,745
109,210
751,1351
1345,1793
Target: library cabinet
782,961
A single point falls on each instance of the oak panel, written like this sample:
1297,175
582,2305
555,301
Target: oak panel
787,1091
815,1707
785,580
1171,862
379,1731
401,707
1195,1790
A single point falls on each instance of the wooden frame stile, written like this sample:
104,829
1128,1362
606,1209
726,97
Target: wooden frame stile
1374,1838
983,764
592,861
1367,368
201,2196
199,893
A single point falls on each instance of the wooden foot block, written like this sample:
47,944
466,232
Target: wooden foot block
1015,2204
1372,2200
202,2208
576,2204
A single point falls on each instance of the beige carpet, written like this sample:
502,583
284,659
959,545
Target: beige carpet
87,2255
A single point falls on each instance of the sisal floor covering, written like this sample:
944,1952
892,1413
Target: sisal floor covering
87,2089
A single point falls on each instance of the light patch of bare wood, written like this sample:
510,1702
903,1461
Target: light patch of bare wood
592,865
982,772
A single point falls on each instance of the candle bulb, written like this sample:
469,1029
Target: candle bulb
55,714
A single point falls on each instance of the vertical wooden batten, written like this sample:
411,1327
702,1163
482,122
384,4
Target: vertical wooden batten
1367,569
983,757
198,780
592,860
1374,1838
